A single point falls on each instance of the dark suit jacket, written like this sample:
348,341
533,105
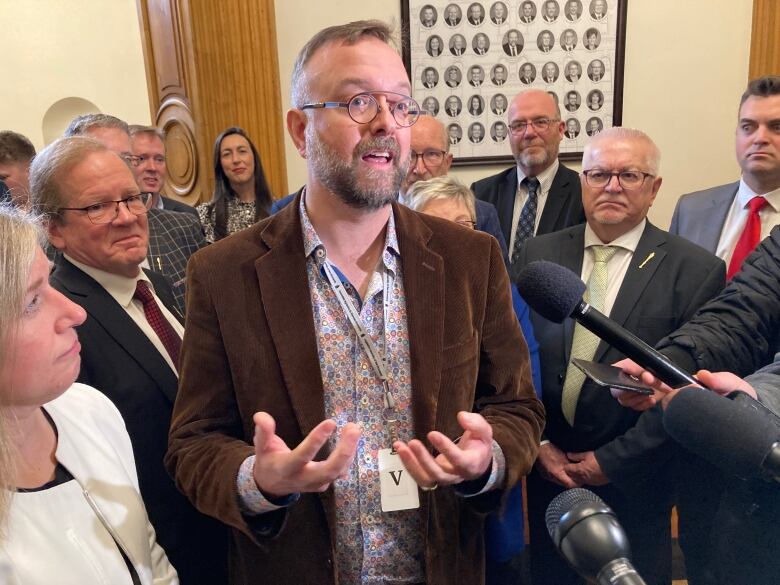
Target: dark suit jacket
252,346
173,237
700,216
174,205
120,361
652,302
562,209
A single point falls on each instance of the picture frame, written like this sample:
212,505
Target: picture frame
467,60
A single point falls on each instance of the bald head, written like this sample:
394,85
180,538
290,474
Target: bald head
647,154
428,135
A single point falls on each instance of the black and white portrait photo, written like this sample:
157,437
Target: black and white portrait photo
476,105
512,42
476,13
452,15
476,75
527,12
431,105
596,70
550,72
430,78
598,9
455,133
452,76
573,71
569,40
527,73
572,101
594,126
480,43
428,16
498,131
498,13
498,104
476,132
453,106
572,10
595,100
592,39
572,128
545,41
434,46
550,11
498,74
458,45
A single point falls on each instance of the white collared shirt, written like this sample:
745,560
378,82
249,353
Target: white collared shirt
121,290
617,267
738,215
521,196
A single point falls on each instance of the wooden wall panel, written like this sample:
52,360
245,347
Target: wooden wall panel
765,39
211,65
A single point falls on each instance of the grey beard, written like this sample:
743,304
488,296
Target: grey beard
339,177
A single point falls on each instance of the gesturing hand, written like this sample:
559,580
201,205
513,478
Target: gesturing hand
551,464
468,459
280,471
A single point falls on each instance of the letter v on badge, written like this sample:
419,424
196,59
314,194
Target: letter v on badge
397,488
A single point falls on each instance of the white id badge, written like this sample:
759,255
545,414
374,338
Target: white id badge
398,489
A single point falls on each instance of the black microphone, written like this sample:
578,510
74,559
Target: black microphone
555,292
732,435
588,535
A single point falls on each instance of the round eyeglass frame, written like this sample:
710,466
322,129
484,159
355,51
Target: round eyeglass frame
352,106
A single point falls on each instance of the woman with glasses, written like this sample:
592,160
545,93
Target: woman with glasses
450,199
70,506
241,194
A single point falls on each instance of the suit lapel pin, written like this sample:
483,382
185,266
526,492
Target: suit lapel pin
646,260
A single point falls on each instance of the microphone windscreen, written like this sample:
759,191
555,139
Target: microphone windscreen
566,502
550,289
733,437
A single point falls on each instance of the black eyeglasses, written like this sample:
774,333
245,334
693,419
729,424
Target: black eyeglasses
627,179
430,158
364,107
540,125
107,211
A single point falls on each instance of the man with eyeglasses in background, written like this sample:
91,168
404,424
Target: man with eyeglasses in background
430,158
538,195
324,324
649,282
97,219
173,235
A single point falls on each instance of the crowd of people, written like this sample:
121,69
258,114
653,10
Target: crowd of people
358,389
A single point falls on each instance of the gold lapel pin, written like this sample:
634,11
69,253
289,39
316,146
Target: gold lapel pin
646,260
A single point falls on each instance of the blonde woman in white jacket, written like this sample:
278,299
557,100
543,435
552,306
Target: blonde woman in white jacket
72,510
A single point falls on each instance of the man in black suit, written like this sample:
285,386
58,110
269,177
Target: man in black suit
16,154
173,236
130,340
649,282
536,131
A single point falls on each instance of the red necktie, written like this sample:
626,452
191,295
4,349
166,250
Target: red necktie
168,336
750,237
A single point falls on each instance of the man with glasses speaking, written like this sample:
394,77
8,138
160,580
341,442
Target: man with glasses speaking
538,195
337,350
650,283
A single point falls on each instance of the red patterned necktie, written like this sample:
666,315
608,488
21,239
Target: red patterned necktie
168,336
750,237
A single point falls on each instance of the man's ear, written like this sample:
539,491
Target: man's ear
54,233
296,126
447,161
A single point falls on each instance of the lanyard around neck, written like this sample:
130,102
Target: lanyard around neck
377,360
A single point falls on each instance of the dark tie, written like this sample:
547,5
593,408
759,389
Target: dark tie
168,336
750,237
527,221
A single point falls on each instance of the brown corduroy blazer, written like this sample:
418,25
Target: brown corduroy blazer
250,345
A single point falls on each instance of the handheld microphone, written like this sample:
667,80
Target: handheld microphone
555,292
588,535
733,436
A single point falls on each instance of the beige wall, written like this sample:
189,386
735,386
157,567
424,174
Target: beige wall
59,49
694,50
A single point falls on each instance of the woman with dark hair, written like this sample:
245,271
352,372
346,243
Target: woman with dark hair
241,193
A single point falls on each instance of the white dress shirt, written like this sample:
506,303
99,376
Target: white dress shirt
737,217
121,290
617,267
545,182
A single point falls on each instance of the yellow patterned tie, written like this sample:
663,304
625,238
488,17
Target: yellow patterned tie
585,343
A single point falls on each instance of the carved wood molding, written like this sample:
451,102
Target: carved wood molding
765,39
